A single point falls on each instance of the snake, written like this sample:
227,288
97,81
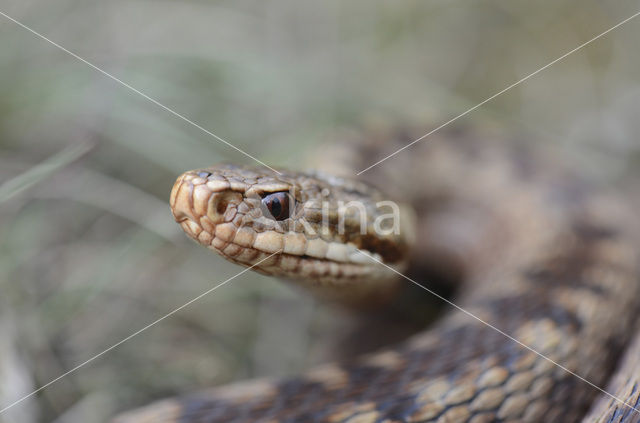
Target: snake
541,327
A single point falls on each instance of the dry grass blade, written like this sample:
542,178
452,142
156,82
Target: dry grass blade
42,170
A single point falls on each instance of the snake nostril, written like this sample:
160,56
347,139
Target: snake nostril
204,174
219,204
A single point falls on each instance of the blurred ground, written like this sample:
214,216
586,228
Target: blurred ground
88,250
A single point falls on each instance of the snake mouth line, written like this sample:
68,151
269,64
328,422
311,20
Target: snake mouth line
284,262
304,257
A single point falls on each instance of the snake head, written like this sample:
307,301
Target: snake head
325,233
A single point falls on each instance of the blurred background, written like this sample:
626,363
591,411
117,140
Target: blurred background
89,252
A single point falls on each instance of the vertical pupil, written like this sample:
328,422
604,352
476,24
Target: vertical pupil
276,207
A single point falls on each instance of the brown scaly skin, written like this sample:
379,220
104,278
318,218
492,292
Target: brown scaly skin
545,259
624,386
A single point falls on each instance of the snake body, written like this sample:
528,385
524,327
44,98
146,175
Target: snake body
549,266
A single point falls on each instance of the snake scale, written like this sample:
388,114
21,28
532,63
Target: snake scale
545,259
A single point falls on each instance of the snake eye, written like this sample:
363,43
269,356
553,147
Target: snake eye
277,204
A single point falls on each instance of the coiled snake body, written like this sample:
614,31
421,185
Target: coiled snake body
548,262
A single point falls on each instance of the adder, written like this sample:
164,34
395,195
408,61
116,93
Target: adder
549,266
